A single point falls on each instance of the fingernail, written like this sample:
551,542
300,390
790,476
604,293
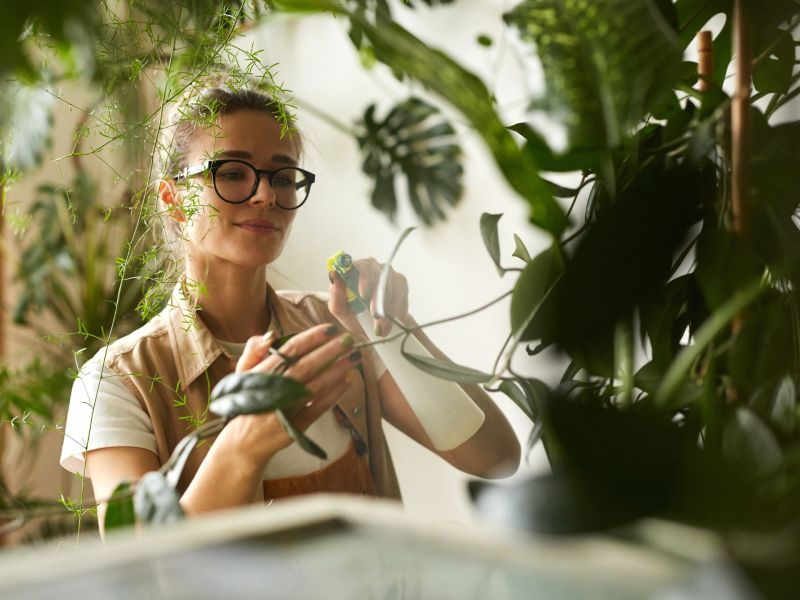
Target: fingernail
267,337
355,356
347,340
330,276
350,377
331,330
378,330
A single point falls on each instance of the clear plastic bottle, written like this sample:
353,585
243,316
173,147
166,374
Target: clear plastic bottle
447,414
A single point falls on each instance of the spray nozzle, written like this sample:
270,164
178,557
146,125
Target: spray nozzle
342,263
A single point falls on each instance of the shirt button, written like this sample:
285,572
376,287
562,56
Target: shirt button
356,411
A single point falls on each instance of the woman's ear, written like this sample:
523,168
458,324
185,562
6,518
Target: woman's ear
168,194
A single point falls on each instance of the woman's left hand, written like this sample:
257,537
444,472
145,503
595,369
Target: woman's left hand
395,303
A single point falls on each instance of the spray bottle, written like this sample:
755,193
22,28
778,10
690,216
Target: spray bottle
447,414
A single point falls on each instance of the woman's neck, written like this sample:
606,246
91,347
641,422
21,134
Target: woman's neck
233,301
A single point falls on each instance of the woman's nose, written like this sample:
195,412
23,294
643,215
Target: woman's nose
264,192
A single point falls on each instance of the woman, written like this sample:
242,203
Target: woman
230,192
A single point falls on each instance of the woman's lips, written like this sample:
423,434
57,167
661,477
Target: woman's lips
258,226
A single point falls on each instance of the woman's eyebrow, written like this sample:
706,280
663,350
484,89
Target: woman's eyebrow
235,154
281,158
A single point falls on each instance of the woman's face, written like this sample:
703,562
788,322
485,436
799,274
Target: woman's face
251,234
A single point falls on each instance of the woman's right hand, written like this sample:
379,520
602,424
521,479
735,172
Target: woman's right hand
322,360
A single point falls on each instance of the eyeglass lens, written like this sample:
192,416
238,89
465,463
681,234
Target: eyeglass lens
237,182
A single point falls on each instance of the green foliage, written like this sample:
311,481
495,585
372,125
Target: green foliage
120,513
606,63
30,394
412,140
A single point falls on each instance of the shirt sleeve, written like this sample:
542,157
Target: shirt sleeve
103,413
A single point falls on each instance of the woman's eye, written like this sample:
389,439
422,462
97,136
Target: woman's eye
281,180
231,174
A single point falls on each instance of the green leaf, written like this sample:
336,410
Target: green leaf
725,262
623,360
574,159
535,283
490,238
774,75
784,406
520,250
415,141
120,513
446,369
513,390
625,256
709,330
749,444
298,436
605,63
155,501
254,393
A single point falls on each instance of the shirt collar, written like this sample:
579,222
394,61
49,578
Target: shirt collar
195,348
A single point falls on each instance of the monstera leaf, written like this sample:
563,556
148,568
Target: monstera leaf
414,141
605,62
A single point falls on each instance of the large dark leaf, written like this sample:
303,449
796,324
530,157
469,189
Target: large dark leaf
665,319
749,444
254,393
624,256
605,62
412,140
532,288
765,348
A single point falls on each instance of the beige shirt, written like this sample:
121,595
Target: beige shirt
172,363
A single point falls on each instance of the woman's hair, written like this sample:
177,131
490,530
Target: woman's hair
199,108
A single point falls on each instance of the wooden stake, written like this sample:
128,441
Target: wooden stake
705,62
740,120
740,129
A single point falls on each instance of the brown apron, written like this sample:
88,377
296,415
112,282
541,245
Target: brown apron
349,474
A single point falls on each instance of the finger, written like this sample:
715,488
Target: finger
333,374
321,358
298,346
256,348
337,304
369,272
320,404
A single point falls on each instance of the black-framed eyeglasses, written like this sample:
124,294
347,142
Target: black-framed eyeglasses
236,181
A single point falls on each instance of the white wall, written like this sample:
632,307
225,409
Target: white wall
447,267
